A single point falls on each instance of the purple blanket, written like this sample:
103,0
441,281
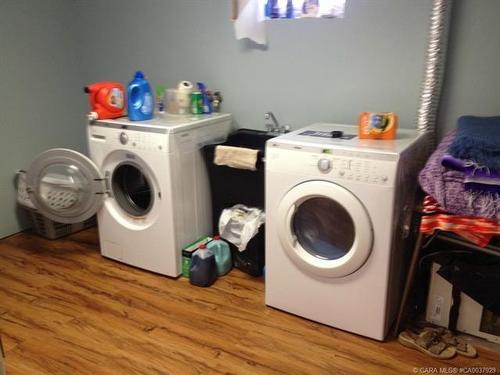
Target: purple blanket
476,177
447,188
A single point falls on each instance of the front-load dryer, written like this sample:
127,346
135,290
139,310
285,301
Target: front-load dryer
146,180
338,210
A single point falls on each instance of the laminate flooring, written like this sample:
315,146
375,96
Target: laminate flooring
64,309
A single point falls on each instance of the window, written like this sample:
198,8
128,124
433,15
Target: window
273,9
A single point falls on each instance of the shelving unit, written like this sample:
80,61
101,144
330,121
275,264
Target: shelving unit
422,242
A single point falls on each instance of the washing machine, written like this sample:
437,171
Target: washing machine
146,180
338,214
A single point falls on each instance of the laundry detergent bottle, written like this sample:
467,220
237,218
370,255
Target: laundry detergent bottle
140,98
203,271
106,100
222,254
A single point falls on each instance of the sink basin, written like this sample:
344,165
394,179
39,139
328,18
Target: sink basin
249,138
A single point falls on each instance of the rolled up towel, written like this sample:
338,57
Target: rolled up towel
236,157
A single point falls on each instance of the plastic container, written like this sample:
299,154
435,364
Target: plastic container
178,102
203,271
172,104
187,254
107,100
222,253
140,98
245,187
377,125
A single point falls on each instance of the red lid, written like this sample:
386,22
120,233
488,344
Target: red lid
216,237
202,246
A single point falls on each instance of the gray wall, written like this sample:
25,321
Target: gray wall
312,70
472,84
41,102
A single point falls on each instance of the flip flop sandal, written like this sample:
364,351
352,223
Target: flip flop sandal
427,342
463,348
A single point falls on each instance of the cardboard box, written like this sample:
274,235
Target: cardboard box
473,319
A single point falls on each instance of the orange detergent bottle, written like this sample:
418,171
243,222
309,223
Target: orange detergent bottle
381,125
107,100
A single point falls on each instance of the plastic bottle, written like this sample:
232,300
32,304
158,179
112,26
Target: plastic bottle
289,9
206,105
140,98
275,9
222,253
106,100
203,271
160,99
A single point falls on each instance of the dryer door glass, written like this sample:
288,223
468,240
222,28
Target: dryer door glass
324,228
65,186
132,189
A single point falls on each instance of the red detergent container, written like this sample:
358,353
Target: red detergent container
107,100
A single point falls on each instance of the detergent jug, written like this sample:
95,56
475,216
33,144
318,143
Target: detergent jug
222,254
203,271
140,98
107,100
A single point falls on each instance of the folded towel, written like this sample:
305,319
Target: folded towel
236,157
448,188
478,139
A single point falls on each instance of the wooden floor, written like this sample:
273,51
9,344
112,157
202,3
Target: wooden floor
66,310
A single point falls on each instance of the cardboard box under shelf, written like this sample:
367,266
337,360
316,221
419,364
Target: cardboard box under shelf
473,318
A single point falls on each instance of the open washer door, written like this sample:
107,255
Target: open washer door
324,229
65,186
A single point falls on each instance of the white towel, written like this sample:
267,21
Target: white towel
236,157
250,22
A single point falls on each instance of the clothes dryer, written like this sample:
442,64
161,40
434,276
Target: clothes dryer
338,210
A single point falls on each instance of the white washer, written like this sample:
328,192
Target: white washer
146,180
338,213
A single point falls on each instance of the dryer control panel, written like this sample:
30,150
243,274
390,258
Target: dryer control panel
334,164
355,169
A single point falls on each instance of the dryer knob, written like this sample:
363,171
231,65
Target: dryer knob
324,165
123,138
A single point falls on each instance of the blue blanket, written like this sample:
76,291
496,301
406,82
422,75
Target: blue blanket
478,139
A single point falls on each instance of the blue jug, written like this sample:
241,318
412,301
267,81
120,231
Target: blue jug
140,98
222,253
203,271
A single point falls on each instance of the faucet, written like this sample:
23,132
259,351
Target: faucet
273,126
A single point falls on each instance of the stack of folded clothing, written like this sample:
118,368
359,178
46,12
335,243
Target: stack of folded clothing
463,174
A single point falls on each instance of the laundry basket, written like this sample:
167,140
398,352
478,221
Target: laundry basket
231,186
58,196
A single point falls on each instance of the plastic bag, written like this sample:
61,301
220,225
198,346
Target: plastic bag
239,224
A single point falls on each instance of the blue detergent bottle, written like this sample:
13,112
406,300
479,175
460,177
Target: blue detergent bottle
203,271
222,254
140,98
